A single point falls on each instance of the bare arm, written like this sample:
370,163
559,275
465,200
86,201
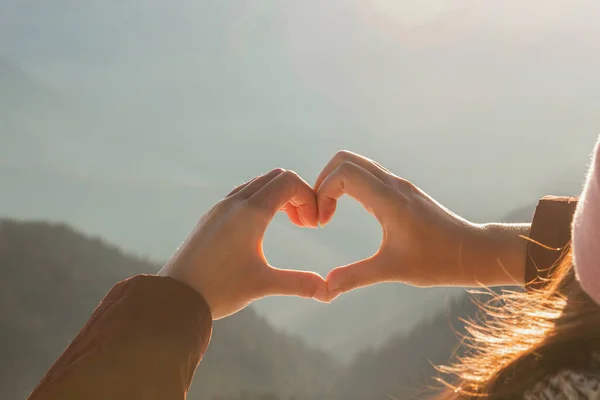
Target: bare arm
495,255
425,244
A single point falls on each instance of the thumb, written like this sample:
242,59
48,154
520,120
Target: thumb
285,282
356,275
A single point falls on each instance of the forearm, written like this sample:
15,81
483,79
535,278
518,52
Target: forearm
516,254
471,254
495,254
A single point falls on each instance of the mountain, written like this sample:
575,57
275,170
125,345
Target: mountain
404,366
52,279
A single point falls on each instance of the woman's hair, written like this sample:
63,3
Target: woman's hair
522,337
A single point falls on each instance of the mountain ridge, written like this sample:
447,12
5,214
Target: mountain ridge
53,278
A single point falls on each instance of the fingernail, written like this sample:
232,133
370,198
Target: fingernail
302,219
310,224
306,223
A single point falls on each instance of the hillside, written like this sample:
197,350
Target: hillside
53,277
403,367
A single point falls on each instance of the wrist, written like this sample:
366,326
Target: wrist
173,270
495,254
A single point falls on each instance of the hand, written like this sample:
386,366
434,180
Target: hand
423,244
223,259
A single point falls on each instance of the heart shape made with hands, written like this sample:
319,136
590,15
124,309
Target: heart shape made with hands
412,223
230,280
380,193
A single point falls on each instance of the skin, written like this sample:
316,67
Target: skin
423,243
223,258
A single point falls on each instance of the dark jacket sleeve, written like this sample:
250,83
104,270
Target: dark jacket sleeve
551,236
143,341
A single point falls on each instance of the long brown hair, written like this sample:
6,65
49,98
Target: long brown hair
522,337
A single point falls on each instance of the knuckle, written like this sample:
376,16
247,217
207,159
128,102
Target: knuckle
347,167
290,176
405,186
224,204
342,155
277,170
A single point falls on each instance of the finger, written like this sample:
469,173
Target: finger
285,282
354,180
293,215
259,182
356,275
343,156
288,187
